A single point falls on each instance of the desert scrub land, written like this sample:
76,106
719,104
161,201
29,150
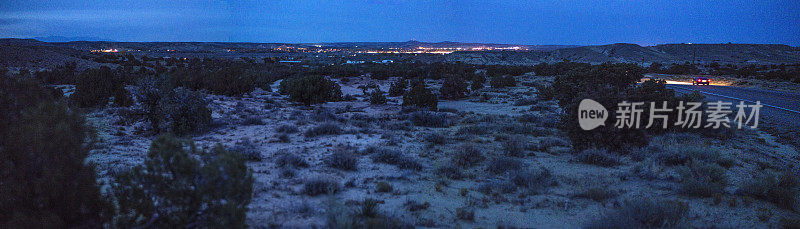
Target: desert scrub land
490,157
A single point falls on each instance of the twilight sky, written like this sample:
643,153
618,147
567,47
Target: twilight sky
580,22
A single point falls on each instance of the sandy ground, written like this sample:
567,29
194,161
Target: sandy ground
278,199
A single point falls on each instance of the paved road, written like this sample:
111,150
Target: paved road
780,114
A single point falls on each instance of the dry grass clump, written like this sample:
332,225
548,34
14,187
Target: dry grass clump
468,155
247,149
396,158
594,156
343,158
290,159
320,185
779,188
287,129
644,212
702,179
327,128
503,164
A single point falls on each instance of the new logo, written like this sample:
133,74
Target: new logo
591,114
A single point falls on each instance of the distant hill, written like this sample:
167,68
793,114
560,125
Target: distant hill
738,54
34,55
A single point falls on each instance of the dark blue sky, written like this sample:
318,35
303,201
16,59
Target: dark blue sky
520,22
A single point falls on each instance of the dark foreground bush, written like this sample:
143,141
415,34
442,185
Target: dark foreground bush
312,89
173,189
97,87
44,182
644,213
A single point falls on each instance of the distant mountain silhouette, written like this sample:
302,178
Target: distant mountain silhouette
68,39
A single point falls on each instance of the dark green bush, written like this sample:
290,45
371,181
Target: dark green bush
173,110
420,96
376,97
453,87
184,111
398,88
44,180
173,189
227,79
311,89
503,81
97,87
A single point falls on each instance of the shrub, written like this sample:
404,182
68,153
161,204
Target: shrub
464,213
383,187
287,129
532,179
782,189
290,159
396,158
597,194
449,171
252,120
172,189
247,149
644,213
398,88
701,179
343,159
514,147
376,97
453,87
503,81
319,185
221,79
503,164
468,155
413,205
369,208
525,101
44,180
420,96
596,156
328,128
184,111
430,119
312,89
96,87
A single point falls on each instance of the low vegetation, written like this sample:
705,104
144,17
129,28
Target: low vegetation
173,189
